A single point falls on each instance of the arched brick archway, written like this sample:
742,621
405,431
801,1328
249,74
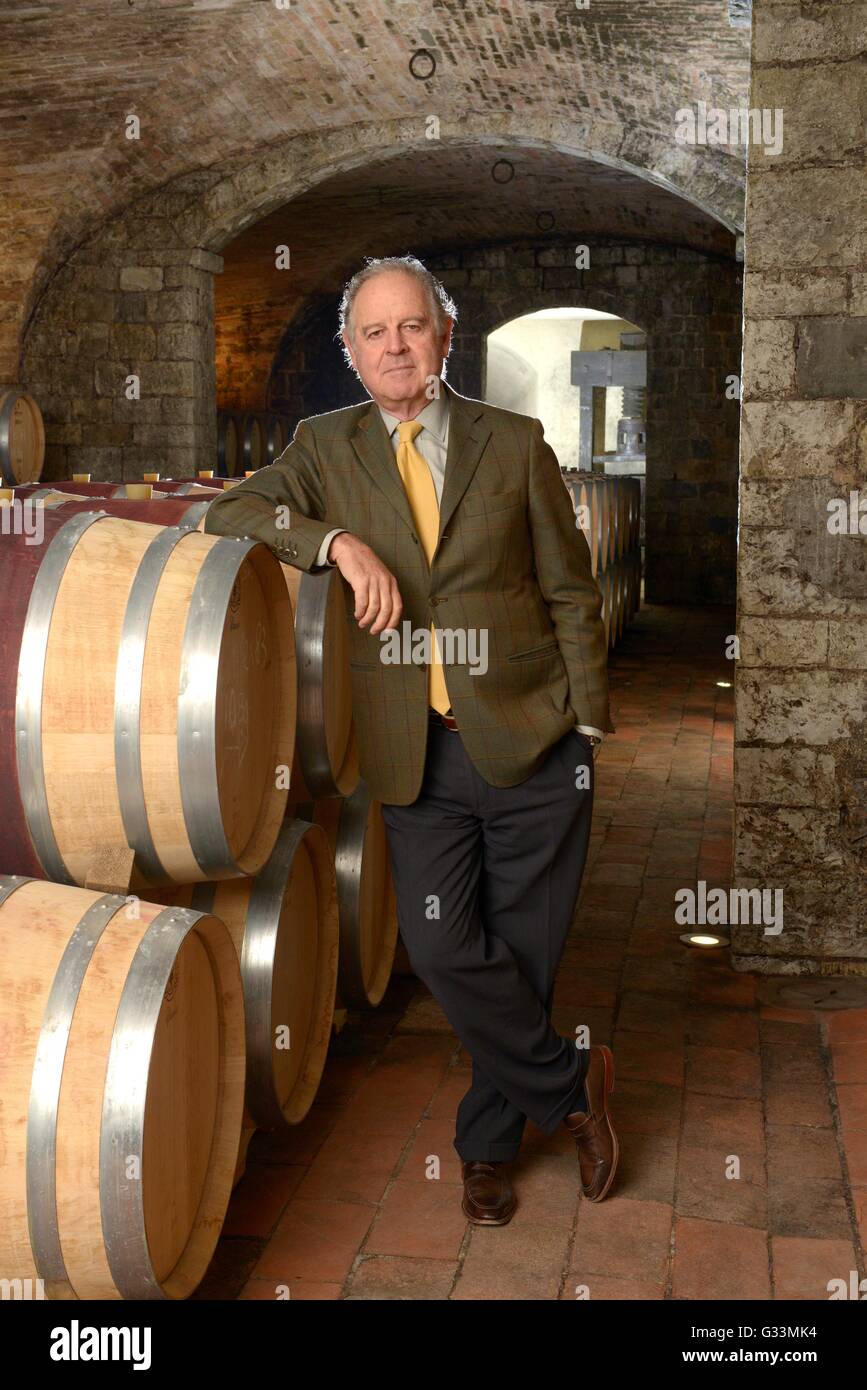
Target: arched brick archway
137,298
700,176
207,208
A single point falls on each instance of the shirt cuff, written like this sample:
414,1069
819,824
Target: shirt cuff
322,553
587,729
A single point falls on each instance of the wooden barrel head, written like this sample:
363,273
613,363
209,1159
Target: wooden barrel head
275,438
123,1091
284,926
255,709
181,1108
305,976
289,956
252,451
22,437
227,444
366,905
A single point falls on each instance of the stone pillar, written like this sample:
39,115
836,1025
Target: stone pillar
801,684
115,314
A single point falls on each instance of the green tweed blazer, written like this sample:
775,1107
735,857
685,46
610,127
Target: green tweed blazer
509,560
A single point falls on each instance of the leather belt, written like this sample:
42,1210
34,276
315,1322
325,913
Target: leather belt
447,720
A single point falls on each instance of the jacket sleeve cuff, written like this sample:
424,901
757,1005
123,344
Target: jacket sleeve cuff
242,512
588,729
322,553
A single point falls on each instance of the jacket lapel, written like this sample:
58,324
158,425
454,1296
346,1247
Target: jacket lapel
468,435
373,447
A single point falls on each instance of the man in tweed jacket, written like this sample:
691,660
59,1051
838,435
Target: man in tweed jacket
487,804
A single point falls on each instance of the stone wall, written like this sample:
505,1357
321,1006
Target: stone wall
120,355
801,687
690,306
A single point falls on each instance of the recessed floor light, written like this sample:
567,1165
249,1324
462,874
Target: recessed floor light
706,939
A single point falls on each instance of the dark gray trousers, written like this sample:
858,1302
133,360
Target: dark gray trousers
486,879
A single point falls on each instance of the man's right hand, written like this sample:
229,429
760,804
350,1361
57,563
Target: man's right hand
377,597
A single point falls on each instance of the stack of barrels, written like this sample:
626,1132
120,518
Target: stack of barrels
194,876
248,439
608,511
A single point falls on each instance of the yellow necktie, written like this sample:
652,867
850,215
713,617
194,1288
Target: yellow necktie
422,496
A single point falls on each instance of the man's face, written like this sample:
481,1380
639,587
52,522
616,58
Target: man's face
395,347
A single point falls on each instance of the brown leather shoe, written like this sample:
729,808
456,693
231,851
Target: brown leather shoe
593,1132
488,1198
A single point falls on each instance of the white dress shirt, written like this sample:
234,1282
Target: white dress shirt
432,442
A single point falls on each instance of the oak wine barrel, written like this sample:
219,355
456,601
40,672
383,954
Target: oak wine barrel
615,519
131,490
228,449
22,437
326,754
635,563
185,510
625,516
608,510
73,489
145,698
603,581
189,487
616,603
588,495
365,893
275,438
634,493
122,1076
610,485
38,496
284,925
602,503
252,442
578,493
65,485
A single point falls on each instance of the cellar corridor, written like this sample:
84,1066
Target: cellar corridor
713,1074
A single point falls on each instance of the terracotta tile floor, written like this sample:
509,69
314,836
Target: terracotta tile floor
709,1080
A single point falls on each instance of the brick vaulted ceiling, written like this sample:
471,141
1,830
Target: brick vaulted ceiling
218,84
428,201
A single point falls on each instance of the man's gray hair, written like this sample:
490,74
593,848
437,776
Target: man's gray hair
439,299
